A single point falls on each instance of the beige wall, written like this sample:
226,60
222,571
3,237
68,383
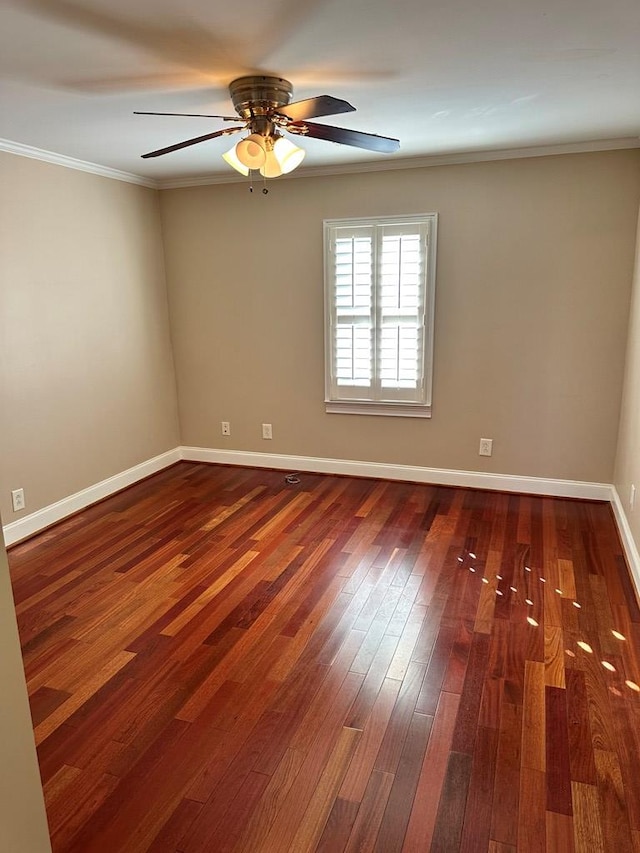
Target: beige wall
23,822
87,386
535,263
628,458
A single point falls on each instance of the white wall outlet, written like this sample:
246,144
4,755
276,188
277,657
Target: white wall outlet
632,496
225,427
267,432
17,499
486,447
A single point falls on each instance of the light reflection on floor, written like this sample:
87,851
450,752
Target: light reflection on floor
581,644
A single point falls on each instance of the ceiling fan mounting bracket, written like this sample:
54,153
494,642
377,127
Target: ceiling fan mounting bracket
259,95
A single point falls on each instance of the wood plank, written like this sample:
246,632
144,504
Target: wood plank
437,667
298,799
554,656
362,763
560,835
405,649
44,701
399,805
453,799
80,696
557,752
365,828
313,821
390,751
276,792
587,827
177,825
506,797
533,723
471,698
613,809
581,757
338,827
477,818
422,820
532,813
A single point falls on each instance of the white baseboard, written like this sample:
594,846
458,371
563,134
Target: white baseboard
35,521
410,473
626,536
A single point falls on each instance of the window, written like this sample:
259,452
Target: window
380,289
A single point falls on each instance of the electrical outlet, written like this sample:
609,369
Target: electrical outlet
17,500
632,497
267,431
486,447
225,427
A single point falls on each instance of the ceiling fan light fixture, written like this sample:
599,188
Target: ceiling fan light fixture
272,156
264,106
288,155
231,158
251,151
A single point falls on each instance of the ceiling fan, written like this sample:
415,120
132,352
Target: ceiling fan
264,106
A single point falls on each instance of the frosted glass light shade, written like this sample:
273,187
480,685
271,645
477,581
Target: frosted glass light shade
251,151
273,157
271,168
232,160
289,156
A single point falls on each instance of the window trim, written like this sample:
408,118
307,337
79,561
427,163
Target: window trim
353,405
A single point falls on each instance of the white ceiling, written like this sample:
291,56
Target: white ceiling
445,76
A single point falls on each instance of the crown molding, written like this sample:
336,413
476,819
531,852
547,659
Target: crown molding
71,163
456,159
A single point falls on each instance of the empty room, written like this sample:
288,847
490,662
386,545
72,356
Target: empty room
319,427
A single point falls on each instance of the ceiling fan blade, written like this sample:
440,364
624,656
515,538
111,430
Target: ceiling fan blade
323,105
187,142
187,115
370,141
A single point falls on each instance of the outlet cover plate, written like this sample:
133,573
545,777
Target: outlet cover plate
17,500
486,447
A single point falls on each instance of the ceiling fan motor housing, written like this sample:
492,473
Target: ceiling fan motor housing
259,95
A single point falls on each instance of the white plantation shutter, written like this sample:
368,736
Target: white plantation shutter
380,280
400,352
353,343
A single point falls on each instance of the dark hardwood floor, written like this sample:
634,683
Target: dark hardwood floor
220,661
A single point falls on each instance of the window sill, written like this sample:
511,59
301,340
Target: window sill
365,407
